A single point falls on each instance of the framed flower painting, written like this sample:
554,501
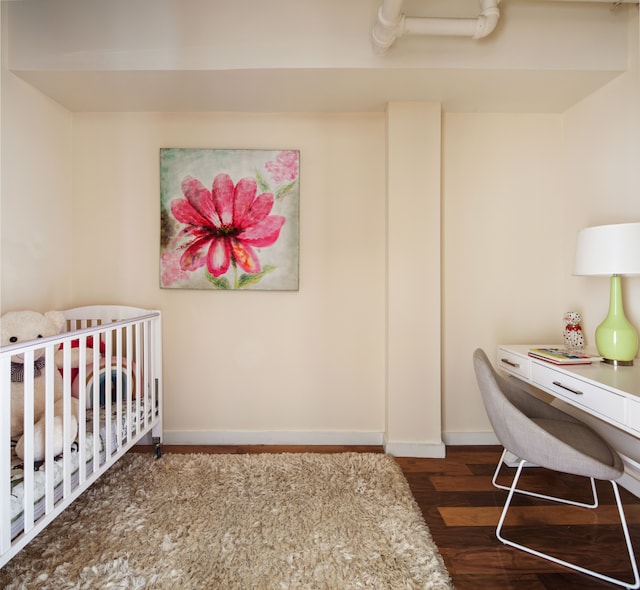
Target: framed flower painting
229,219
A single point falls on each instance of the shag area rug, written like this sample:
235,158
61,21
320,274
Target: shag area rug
247,522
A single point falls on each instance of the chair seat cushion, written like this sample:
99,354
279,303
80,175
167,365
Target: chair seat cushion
573,447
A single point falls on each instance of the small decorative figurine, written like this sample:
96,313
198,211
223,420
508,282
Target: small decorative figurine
573,337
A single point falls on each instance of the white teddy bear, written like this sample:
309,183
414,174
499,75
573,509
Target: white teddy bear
24,326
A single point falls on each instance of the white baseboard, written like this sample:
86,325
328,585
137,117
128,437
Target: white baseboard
454,439
207,437
421,450
398,449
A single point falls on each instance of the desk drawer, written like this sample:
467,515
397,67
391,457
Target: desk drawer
578,392
514,363
634,415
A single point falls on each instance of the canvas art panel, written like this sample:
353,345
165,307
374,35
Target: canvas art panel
229,219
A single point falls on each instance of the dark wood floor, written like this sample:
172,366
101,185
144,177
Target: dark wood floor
462,508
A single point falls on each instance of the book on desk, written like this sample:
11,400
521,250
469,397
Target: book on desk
562,356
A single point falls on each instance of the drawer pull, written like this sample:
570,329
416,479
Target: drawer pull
576,391
510,363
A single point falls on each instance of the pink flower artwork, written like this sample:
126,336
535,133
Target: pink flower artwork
232,235
171,269
284,167
224,224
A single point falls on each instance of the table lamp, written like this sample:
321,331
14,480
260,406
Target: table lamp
612,250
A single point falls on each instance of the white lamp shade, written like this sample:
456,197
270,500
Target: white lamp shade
607,250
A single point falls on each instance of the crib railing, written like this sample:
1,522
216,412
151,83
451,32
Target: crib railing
110,360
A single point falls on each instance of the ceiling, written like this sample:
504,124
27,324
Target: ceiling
136,55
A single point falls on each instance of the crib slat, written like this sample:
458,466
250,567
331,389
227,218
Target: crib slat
82,407
148,391
118,386
49,420
66,424
28,439
138,382
95,403
5,454
128,382
107,394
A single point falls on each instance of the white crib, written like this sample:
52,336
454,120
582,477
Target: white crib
111,361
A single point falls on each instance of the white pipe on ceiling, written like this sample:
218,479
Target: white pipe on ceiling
391,24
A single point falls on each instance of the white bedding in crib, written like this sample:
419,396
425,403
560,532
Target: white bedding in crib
17,482
17,471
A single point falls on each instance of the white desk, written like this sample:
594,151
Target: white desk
609,393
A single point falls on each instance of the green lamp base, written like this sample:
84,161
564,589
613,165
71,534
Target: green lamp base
616,338
617,363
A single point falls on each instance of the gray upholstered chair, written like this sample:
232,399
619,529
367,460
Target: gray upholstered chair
540,434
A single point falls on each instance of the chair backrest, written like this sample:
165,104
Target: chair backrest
500,410
512,411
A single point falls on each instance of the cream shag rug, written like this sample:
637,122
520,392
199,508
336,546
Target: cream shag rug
246,522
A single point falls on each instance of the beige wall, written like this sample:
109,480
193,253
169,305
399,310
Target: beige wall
246,362
35,210
310,366
601,155
602,176
502,222
517,189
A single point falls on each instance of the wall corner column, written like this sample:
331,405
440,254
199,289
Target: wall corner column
413,307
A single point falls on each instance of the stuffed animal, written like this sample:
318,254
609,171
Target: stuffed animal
24,326
573,336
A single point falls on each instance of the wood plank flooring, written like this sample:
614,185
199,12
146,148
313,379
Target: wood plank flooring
462,508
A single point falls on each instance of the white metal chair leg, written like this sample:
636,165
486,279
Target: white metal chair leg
623,520
594,493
